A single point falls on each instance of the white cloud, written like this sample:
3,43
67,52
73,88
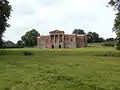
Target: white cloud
46,15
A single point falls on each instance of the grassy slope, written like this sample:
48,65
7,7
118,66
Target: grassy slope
67,69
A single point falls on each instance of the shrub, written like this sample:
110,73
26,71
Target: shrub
27,53
118,43
109,44
108,54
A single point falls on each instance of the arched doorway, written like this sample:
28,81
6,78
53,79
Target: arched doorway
59,46
52,46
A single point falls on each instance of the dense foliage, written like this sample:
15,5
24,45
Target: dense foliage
109,44
116,28
20,44
9,44
5,11
30,38
93,37
78,31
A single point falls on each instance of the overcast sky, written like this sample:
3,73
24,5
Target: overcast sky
67,15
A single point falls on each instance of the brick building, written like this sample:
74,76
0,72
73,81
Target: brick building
58,39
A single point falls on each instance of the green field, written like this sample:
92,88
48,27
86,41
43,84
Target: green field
60,69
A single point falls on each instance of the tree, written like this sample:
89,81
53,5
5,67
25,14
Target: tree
78,31
116,28
30,38
5,11
101,39
93,37
9,44
110,39
90,37
20,44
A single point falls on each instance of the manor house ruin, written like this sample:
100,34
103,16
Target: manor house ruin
58,39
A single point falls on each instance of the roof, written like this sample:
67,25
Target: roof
43,36
75,34
56,31
82,35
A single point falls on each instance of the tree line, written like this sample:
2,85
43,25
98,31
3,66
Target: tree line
93,37
30,39
27,40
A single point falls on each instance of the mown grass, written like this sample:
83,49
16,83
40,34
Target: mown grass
60,69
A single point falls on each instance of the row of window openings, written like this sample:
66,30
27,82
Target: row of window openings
56,40
54,46
44,41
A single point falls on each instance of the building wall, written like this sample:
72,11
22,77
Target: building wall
70,41
81,41
43,42
60,40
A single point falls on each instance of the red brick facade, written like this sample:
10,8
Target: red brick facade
58,39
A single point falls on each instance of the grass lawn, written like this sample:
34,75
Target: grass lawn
60,69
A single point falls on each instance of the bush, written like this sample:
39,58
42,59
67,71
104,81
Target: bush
27,53
118,43
109,44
